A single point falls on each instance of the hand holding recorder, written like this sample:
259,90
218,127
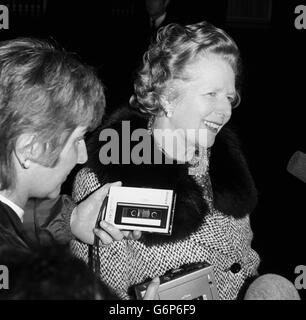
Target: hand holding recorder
84,217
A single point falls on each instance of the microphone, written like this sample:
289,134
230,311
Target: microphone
297,165
271,287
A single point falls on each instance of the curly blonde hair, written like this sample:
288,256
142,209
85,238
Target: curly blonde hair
167,57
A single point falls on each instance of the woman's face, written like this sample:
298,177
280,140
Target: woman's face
204,100
47,181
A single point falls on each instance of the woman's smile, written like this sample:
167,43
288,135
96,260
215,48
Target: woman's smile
212,126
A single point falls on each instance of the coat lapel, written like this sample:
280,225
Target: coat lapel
13,228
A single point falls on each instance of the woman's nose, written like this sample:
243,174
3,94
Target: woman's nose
82,153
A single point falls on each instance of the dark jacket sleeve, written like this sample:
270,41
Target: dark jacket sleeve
52,220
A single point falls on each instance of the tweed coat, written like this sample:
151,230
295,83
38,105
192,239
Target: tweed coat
211,220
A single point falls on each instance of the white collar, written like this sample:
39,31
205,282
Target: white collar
159,20
17,209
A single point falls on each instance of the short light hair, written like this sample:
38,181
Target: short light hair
47,92
168,56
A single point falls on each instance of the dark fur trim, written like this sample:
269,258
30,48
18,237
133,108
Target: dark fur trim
233,187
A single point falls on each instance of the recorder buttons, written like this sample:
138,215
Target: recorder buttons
235,267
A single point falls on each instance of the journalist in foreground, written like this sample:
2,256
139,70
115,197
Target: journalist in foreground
187,82
48,101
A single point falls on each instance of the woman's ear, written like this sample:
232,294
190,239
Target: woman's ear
27,149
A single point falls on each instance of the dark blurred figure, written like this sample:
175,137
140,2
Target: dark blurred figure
51,273
213,11
158,15
162,12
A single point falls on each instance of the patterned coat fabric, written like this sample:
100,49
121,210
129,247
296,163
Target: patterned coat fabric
211,223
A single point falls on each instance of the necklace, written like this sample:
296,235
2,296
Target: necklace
198,165
199,170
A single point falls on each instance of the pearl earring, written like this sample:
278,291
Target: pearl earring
169,113
26,164
167,107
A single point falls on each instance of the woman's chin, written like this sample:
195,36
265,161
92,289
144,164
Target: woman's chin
54,194
209,143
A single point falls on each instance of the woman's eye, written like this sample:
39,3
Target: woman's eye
212,94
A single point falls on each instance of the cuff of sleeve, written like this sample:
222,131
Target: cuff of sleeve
67,213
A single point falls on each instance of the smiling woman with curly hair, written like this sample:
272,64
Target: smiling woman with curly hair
187,81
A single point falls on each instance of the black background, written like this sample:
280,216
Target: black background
270,119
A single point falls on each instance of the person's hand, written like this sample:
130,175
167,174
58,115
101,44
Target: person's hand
152,290
108,233
84,216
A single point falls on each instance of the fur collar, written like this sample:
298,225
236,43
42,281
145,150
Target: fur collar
233,187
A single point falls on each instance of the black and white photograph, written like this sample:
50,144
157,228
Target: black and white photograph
152,150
